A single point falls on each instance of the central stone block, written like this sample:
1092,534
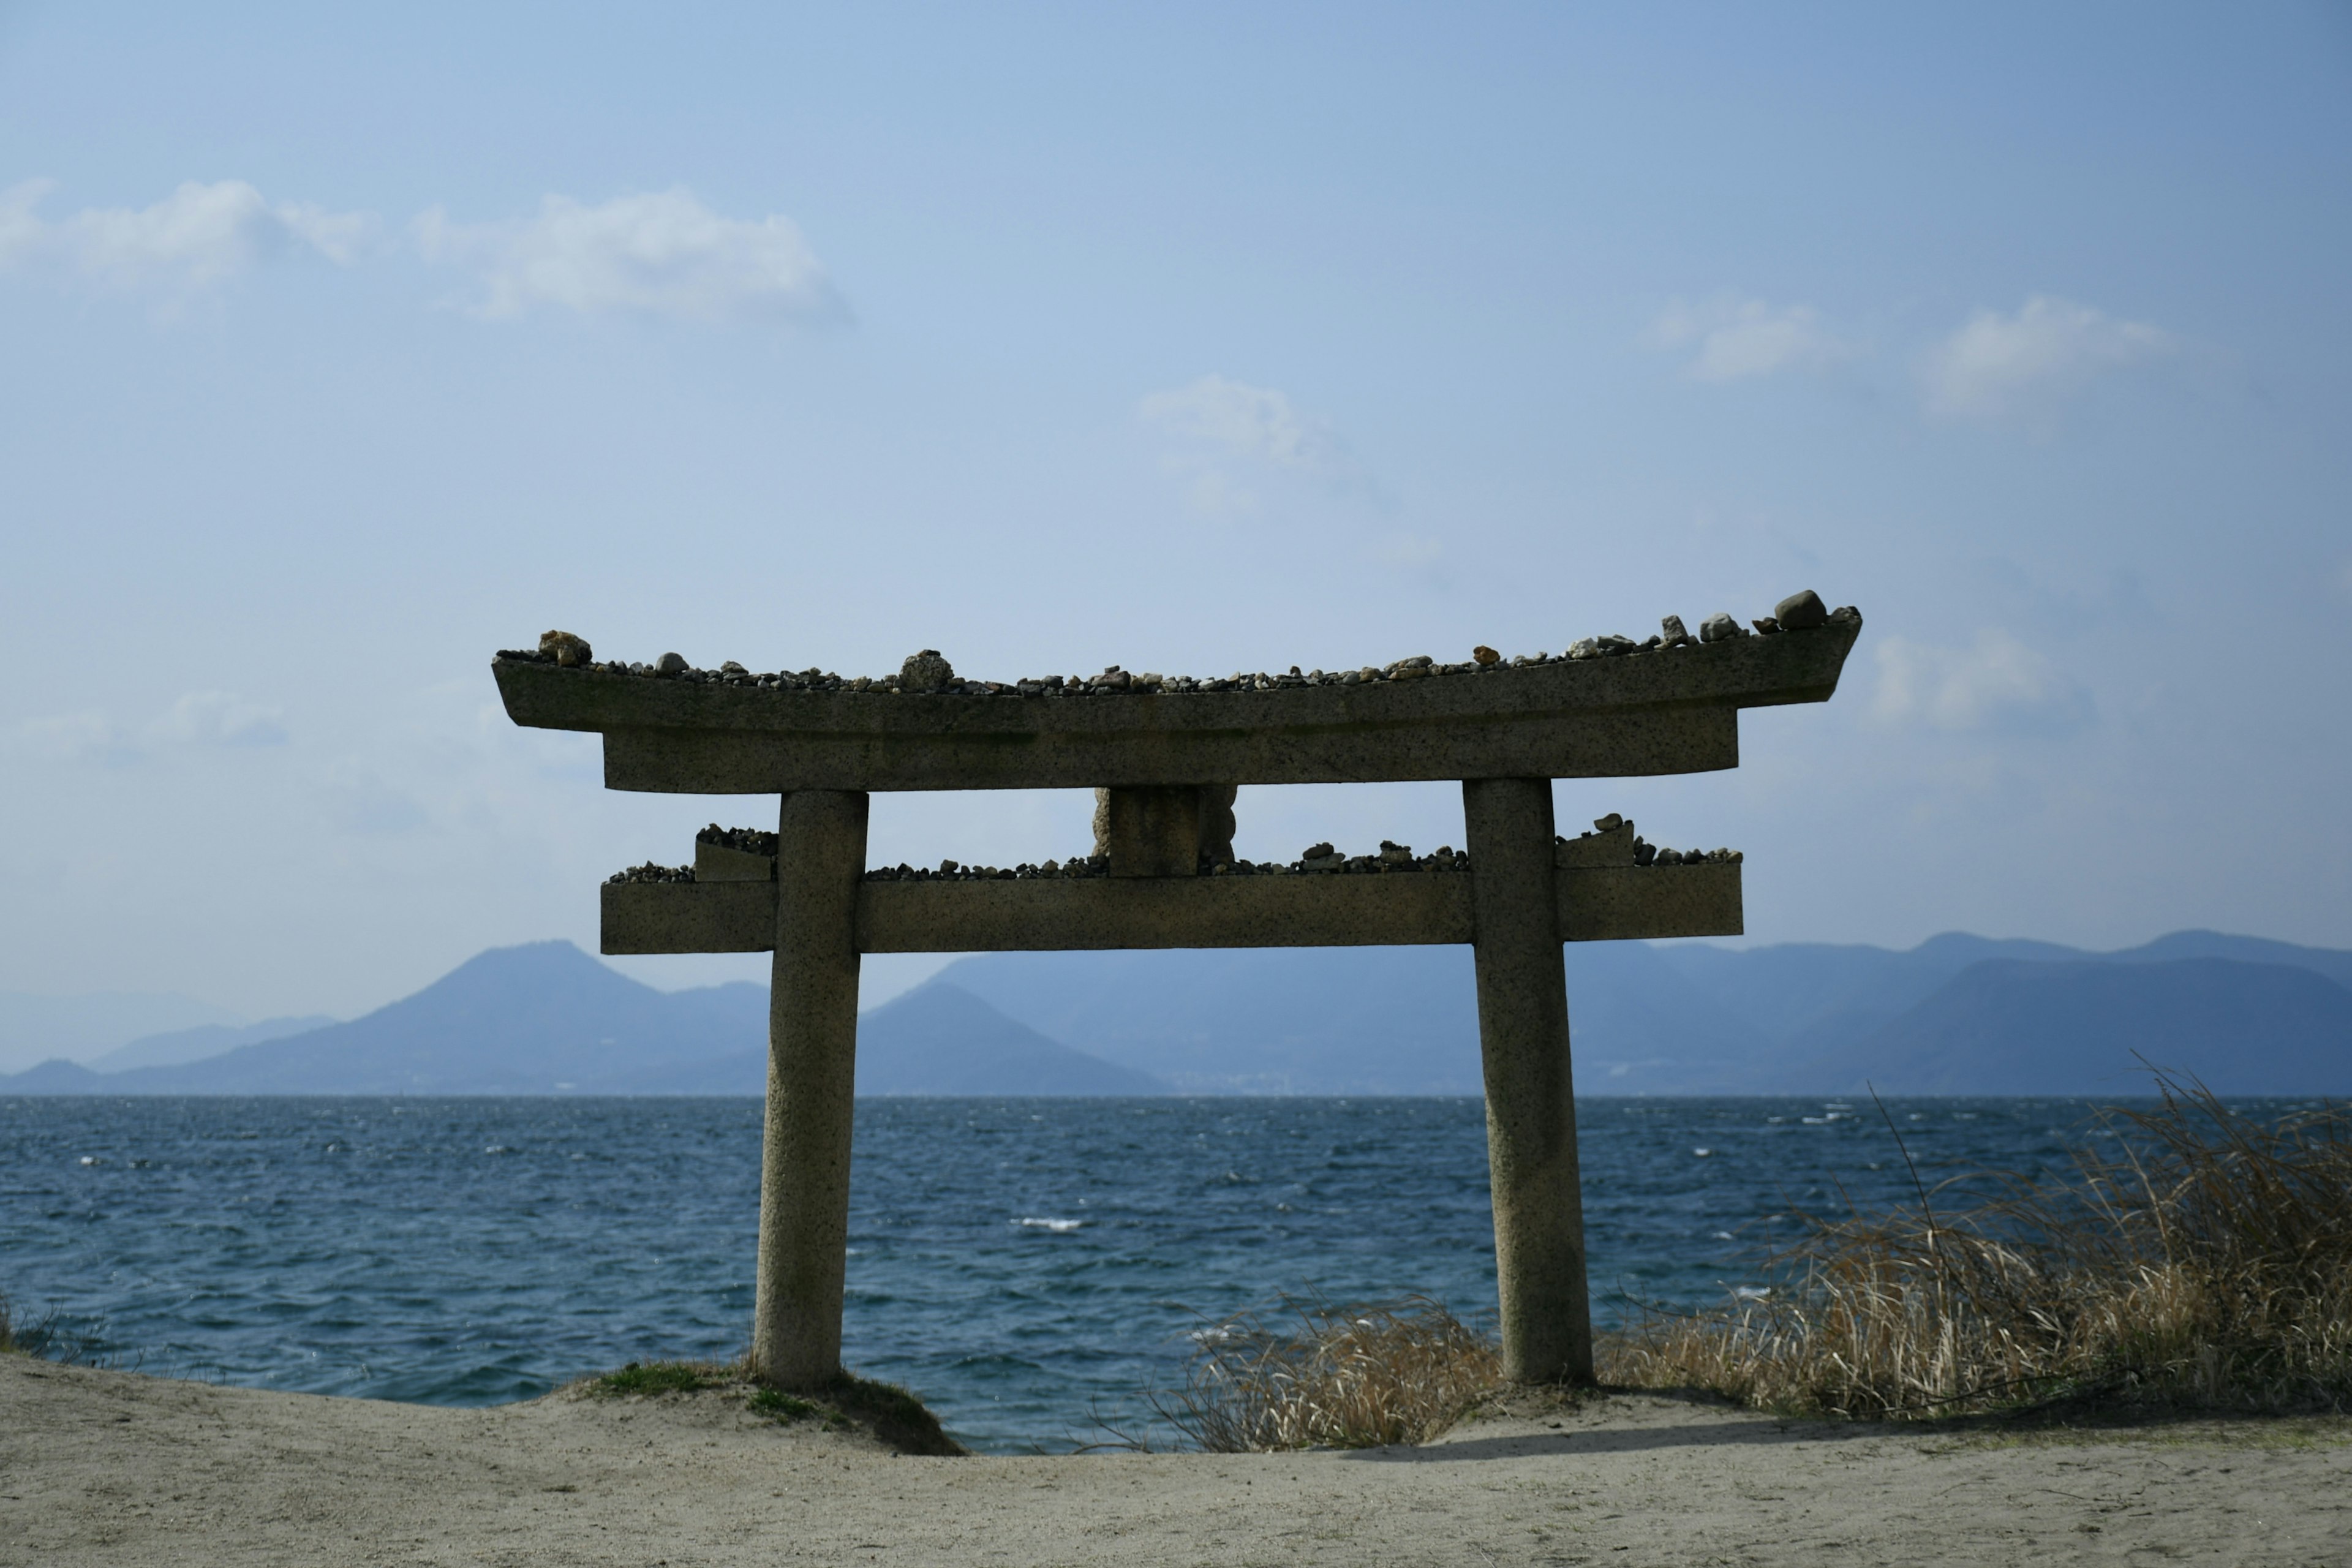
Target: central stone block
1151,830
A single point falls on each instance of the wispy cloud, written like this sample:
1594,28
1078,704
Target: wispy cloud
85,737
1249,421
1222,431
660,254
1996,364
1737,340
199,237
1995,684
198,721
220,719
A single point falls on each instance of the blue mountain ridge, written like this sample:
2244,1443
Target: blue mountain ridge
1958,1014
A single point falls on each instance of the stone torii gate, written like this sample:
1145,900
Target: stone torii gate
1164,757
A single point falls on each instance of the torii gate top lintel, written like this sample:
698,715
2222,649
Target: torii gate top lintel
1165,757
1668,709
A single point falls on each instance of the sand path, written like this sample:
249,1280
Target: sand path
115,1469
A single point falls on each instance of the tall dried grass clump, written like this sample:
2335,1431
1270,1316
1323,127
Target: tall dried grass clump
44,1338
2205,1262
1317,1375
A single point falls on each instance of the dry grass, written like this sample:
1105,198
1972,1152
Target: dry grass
46,1338
1313,1375
2206,1264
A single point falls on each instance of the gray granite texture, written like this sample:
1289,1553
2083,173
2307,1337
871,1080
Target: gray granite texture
1663,711
1004,913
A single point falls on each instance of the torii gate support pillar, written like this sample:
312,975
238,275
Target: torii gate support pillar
811,1090
1530,1101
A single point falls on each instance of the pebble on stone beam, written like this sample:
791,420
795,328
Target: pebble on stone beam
1801,611
564,648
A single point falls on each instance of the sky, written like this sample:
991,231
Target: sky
342,347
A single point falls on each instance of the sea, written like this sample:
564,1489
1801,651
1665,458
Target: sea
1033,1268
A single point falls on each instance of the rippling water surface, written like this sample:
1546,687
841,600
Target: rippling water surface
1020,1263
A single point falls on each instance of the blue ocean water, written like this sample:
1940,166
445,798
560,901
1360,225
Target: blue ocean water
1024,1265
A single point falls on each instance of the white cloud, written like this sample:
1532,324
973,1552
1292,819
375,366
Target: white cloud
1224,433
656,254
1997,684
1741,339
220,719
198,237
1247,421
1994,364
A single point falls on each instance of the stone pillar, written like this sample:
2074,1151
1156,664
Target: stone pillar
1531,1102
812,1084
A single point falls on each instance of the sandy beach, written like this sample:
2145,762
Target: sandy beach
112,1467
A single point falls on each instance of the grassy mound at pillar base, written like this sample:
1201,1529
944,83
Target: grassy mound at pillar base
2202,1265
848,1403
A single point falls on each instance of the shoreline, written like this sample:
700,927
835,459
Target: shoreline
120,1468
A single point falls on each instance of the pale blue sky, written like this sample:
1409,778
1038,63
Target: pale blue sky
341,350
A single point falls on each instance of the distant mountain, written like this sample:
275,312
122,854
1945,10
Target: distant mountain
34,1028
204,1040
541,1019
936,1039
2009,1028
1954,1015
549,1019
1252,1021
1668,1018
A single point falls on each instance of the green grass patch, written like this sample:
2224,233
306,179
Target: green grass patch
660,1377
778,1406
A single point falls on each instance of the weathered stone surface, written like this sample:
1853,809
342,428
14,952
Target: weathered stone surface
925,671
670,664
1217,823
567,651
1720,627
811,1082
1800,612
1671,632
1601,903
1608,846
1546,1324
1483,655
1148,832
717,863
1591,717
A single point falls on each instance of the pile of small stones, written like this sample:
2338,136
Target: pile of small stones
750,840
1316,859
649,872
1648,854
927,672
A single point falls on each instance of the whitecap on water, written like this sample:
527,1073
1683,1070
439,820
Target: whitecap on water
1056,1226
1702,1153
1751,1293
